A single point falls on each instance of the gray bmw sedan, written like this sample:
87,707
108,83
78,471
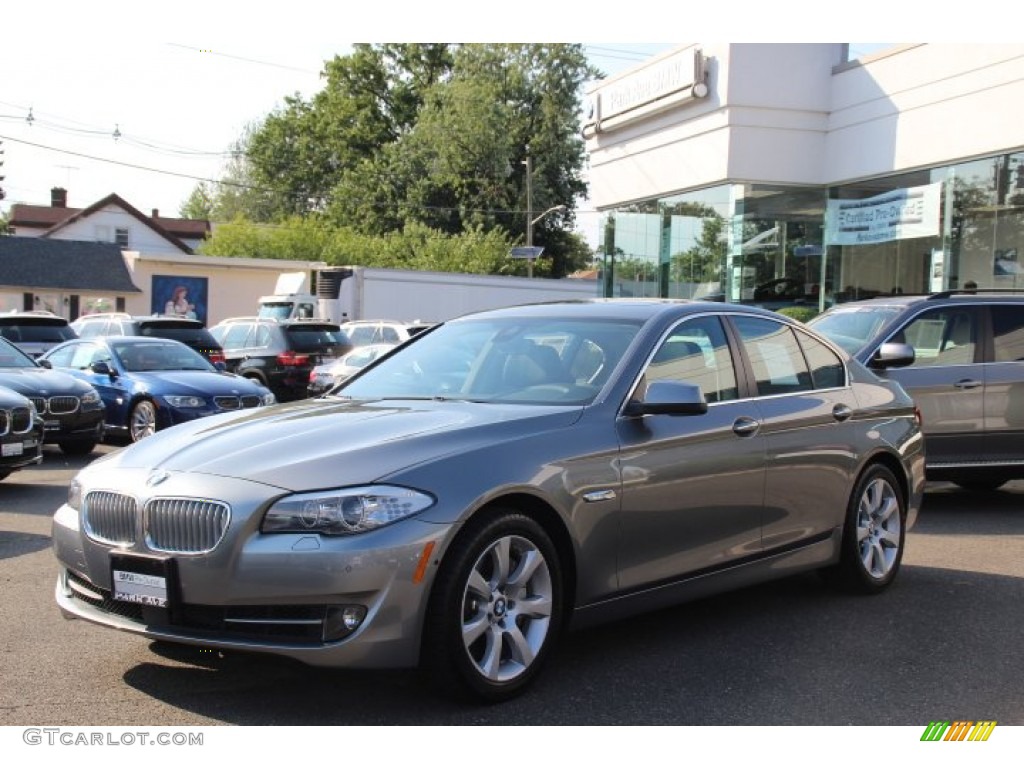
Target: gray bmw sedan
498,479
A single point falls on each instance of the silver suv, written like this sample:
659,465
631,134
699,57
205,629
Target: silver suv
966,374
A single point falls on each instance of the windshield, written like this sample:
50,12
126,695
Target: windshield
853,328
504,360
139,356
12,357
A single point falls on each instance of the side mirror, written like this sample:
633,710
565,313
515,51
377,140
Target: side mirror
893,355
675,398
45,364
103,368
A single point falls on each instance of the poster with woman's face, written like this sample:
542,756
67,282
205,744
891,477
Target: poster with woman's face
180,296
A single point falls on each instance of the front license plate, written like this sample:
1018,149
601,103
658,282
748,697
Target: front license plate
50,425
142,580
13,449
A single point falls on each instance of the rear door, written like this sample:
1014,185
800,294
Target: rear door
947,381
1004,385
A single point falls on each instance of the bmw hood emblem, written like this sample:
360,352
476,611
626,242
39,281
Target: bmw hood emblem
157,477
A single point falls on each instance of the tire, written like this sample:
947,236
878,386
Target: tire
495,610
77,447
874,534
142,420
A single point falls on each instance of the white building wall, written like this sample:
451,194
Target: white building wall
234,285
924,105
795,114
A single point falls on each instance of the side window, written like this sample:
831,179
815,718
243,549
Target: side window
696,352
84,355
941,336
61,358
260,337
1008,333
778,364
234,338
827,369
391,335
88,330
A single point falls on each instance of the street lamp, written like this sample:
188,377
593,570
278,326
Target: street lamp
530,219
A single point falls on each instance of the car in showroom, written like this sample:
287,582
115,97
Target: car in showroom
966,373
148,384
279,354
328,375
21,433
593,459
70,410
186,330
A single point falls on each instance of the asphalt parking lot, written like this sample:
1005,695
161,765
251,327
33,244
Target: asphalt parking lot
944,643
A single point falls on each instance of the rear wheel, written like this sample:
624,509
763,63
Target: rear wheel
495,610
142,422
874,534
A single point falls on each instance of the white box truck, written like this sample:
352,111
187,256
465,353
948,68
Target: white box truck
344,294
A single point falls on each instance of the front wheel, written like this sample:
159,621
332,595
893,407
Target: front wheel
142,422
874,534
495,610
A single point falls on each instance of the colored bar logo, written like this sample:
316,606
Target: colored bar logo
959,730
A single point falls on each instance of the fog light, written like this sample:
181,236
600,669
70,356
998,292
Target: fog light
342,620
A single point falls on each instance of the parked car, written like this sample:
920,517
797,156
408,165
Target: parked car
70,410
190,332
150,384
328,375
964,371
363,332
280,354
34,332
593,460
21,433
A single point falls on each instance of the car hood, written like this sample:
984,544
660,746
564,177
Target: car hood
41,382
196,383
328,443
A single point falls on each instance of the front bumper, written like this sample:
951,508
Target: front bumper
274,593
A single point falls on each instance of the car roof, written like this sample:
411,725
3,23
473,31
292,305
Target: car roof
26,318
901,301
621,308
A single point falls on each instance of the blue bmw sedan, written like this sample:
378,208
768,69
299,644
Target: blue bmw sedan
148,384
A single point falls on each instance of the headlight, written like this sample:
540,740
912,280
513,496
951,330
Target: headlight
90,400
344,511
269,399
75,495
184,401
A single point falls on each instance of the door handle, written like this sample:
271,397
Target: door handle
967,384
842,412
745,426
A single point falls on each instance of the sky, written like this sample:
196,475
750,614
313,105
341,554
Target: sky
146,103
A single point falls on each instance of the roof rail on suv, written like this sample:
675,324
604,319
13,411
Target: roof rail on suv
973,291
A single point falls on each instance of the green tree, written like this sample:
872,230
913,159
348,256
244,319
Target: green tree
428,134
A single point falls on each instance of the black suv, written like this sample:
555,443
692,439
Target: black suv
964,368
192,333
279,353
35,332
70,409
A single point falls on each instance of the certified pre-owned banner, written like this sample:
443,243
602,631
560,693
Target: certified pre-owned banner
895,215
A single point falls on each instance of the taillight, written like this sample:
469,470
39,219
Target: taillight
217,357
292,358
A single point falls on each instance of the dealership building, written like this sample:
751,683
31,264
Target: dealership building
788,171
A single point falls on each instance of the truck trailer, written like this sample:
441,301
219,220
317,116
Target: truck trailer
351,293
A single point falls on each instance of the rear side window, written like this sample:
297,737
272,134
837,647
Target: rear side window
1008,332
775,356
827,369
